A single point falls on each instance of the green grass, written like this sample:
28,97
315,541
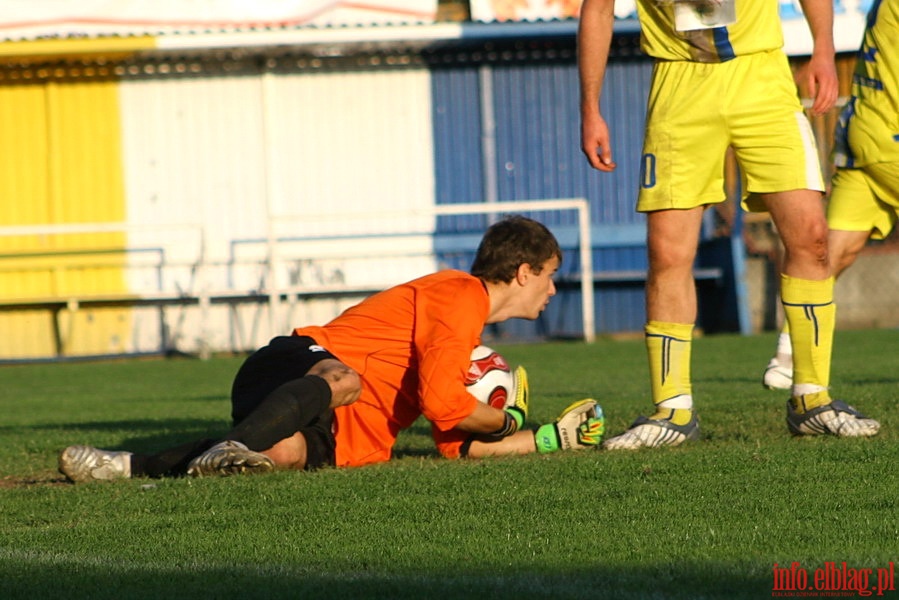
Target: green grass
708,520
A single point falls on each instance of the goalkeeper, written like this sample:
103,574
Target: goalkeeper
339,394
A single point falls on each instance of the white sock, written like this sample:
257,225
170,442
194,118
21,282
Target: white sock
802,389
784,352
681,401
123,459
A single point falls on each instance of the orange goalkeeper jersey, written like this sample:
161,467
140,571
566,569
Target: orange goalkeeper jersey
411,345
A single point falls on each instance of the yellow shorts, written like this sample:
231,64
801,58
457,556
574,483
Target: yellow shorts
696,110
865,199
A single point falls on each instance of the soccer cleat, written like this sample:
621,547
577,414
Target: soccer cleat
836,418
229,458
777,376
84,463
652,433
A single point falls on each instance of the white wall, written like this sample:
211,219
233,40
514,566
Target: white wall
250,157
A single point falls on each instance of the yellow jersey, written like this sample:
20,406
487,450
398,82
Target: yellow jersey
868,131
707,30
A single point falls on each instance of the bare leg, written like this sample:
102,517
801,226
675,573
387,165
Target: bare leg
802,226
672,238
345,384
844,248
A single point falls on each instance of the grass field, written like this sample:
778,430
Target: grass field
708,520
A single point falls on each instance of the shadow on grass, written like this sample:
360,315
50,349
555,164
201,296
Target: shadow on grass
94,579
142,436
146,435
150,436
416,442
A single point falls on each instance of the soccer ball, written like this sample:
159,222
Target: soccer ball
489,378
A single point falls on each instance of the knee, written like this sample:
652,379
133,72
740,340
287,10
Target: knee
346,388
345,383
671,260
818,244
813,244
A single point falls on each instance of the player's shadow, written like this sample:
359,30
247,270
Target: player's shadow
143,435
453,579
416,442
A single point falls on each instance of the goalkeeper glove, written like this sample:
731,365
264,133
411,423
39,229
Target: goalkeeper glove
580,426
517,404
516,409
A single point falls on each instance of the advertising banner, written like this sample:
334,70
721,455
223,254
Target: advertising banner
34,19
849,18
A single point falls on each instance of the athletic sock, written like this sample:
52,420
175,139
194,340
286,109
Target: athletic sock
168,463
811,314
784,351
668,347
285,411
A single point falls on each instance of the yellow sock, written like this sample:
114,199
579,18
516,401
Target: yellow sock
668,347
811,314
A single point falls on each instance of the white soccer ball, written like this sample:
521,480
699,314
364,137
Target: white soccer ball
490,378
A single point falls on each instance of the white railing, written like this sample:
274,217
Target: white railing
194,279
579,205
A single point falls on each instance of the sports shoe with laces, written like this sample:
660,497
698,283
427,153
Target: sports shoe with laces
652,433
778,376
836,418
84,463
229,458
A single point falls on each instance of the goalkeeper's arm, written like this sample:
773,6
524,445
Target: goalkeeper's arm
484,420
580,426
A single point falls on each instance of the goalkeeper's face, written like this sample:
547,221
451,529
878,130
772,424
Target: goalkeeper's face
538,287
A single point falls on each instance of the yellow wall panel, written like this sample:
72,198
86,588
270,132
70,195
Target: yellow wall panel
23,146
60,142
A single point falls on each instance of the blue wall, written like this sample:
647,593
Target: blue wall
533,95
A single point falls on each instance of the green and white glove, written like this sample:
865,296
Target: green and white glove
580,426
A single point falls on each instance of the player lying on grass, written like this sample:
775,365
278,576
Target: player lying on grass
339,394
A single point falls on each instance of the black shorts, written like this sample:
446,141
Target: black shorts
284,359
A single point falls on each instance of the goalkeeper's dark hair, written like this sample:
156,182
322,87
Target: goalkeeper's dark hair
510,243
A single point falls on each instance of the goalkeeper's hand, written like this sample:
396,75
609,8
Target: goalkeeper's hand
516,409
580,426
517,404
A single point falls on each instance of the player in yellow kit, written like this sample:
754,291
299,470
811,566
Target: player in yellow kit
864,199
720,80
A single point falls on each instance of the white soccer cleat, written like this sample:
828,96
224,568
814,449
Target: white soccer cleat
777,376
84,463
652,433
836,418
229,458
